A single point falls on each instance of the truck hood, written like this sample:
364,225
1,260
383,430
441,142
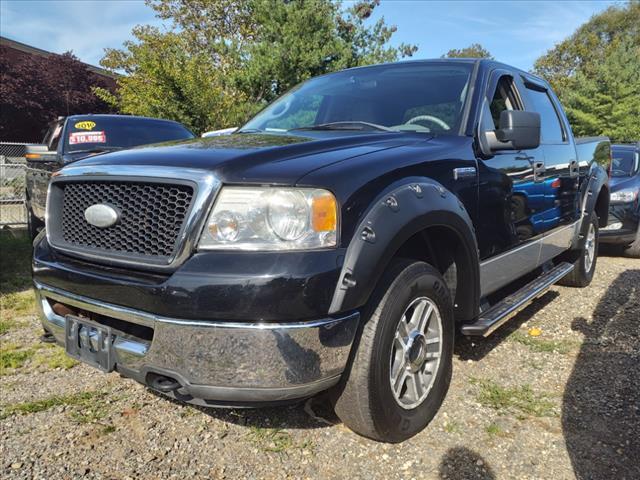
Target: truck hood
257,158
620,183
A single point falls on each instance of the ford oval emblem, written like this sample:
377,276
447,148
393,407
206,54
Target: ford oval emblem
101,215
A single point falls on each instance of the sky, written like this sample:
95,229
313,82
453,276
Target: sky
515,32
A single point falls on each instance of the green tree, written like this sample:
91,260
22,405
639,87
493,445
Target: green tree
475,50
606,101
224,59
595,73
166,78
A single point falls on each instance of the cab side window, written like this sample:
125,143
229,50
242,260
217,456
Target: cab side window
551,128
504,98
54,137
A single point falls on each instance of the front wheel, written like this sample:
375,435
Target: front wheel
585,265
401,370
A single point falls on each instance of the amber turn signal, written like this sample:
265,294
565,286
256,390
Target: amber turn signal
324,213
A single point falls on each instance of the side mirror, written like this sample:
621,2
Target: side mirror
519,130
40,153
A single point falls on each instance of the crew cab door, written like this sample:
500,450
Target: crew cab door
561,193
512,183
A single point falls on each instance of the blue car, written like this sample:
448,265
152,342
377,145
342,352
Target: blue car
624,207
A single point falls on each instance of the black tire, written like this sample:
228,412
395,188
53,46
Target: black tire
365,401
581,276
633,250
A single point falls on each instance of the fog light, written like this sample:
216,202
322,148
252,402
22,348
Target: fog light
613,226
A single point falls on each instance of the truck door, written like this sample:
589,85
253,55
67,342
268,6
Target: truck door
40,169
561,195
512,183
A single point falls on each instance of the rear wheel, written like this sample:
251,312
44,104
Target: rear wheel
401,368
585,265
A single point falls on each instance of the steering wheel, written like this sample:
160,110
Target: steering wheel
429,118
623,172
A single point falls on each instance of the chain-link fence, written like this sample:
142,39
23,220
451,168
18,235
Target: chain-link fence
12,184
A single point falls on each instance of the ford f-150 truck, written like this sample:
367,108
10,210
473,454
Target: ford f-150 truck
73,138
335,242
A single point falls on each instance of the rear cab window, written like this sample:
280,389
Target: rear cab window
551,131
52,137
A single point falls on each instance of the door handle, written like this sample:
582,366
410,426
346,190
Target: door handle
574,168
538,170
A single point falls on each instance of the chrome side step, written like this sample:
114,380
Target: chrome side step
495,316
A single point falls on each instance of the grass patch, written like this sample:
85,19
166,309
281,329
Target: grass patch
522,400
85,399
187,411
15,262
107,429
276,440
452,427
271,439
542,345
16,304
90,413
42,357
52,357
11,357
494,430
7,324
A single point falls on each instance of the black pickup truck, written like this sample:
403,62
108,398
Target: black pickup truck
69,139
335,242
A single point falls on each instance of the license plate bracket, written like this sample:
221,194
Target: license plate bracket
89,342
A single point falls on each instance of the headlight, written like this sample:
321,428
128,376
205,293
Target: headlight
624,196
271,218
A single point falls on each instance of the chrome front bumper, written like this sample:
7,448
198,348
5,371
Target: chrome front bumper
219,363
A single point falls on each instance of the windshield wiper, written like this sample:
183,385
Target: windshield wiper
346,125
249,130
97,150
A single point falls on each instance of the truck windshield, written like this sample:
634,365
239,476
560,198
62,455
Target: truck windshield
98,133
414,97
624,163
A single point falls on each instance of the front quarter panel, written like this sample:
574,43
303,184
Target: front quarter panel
400,212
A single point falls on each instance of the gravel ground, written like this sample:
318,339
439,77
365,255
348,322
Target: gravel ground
561,404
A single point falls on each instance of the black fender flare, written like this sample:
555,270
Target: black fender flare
598,179
401,211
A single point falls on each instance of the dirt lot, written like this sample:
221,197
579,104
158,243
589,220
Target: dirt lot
563,404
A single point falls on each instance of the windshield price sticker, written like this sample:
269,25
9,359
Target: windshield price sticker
85,125
87,137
